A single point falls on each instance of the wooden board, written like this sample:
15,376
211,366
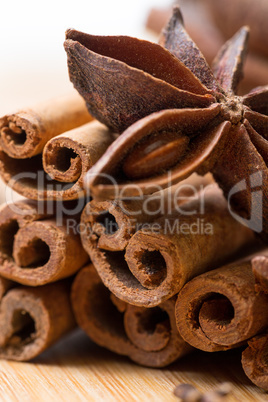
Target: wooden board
77,370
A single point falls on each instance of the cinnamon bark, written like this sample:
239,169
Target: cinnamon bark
220,310
66,160
35,249
113,223
32,319
254,360
260,271
161,257
148,336
254,357
25,133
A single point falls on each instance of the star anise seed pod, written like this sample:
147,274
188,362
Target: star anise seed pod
176,115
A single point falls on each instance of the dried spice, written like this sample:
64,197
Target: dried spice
197,23
206,33
112,223
32,319
161,257
57,173
24,133
34,248
260,271
254,357
157,92
254,360
148,336
221,309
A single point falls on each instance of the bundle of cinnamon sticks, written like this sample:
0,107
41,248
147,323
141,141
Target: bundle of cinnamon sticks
153,274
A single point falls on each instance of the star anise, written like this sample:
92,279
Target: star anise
176,115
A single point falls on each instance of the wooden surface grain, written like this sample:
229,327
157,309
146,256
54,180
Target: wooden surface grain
77,370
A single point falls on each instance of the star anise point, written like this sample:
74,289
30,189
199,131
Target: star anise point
147,89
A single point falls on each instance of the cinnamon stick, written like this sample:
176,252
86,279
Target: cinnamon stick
66,159
113,223
254,360
23,134
221,309
148,336
32,319
254,357
163,255
260,271
34,248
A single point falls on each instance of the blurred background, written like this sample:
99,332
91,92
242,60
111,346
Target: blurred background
33,61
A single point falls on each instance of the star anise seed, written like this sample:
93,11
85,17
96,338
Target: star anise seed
146,90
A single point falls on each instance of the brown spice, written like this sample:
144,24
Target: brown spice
148,336
260,271
113,223
159,260
254,357
255,361
25,133
32,319
197,23
58,173
223,128
209,38
220,309
34,248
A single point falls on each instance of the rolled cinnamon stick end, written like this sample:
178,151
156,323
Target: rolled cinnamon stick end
148,336
58,174
162,256
219,310
23,134
113,223
35,249
69,156
110,222
32,319
255,361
